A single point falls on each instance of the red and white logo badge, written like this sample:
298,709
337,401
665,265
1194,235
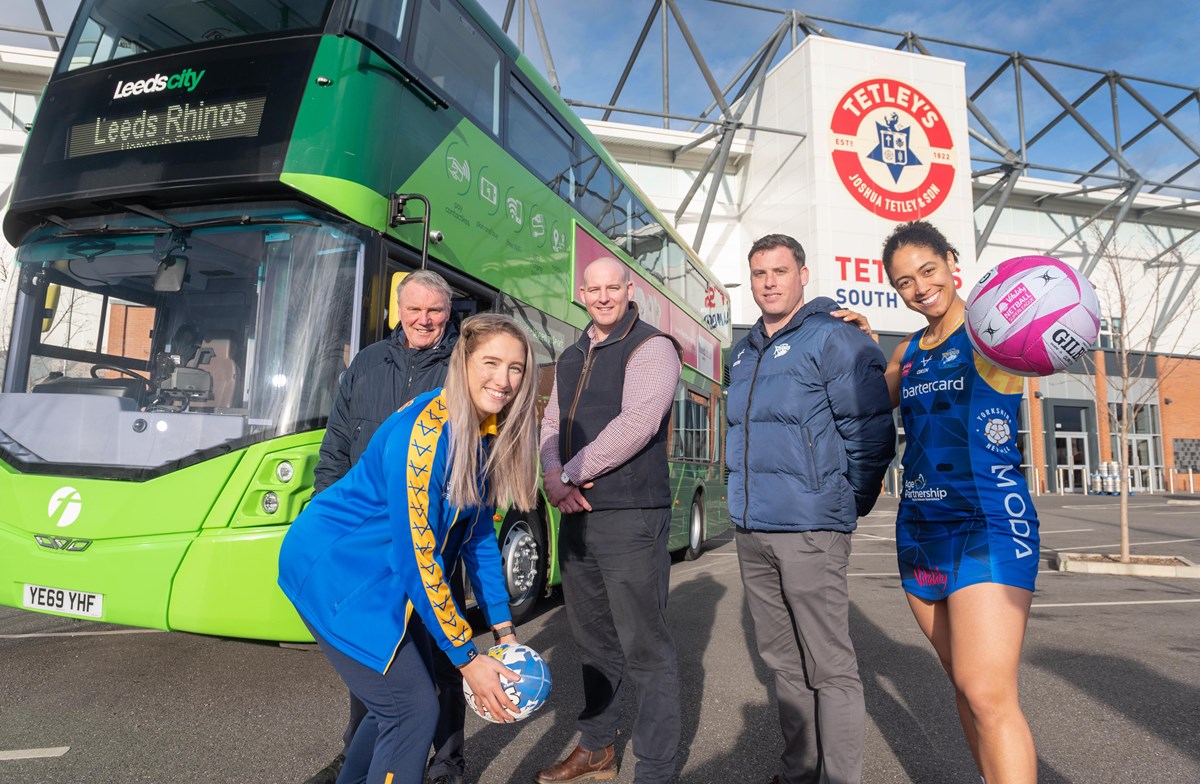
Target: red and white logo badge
892,149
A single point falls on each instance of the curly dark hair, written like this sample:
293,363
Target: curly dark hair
922,234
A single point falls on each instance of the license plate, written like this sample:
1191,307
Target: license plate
60,600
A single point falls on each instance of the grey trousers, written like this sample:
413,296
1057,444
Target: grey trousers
615,575
796,590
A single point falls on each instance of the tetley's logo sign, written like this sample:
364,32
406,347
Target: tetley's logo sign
187,79
892,149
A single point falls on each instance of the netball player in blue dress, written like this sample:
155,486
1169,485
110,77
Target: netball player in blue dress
966,531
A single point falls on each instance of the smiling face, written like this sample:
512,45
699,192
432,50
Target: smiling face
777,282
495,371
606,292
423,314
924,280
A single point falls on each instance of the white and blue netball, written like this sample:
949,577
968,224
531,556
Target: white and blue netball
527,694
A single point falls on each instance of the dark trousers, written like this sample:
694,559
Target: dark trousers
796,590
392,742
615,575
448,736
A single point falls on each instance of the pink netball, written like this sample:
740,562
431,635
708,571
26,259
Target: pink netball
1033,315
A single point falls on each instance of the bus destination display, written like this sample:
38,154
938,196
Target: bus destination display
186,121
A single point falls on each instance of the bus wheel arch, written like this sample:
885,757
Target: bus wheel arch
524,557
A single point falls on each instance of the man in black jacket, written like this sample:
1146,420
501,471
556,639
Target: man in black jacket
381,378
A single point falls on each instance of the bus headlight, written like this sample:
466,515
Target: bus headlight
284,471
270,502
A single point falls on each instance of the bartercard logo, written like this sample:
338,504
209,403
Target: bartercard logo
187,79
926,387
65,506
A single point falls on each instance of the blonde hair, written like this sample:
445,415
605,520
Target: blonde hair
511,466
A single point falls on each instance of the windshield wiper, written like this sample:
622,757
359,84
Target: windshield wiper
169,224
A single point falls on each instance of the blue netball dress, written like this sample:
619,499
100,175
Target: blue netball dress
965,513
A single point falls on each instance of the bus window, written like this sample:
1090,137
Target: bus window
96,336
549,337
382,24
249,346
457,57
536,137
122,28
692,429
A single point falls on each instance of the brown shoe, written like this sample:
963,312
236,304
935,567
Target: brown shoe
582,765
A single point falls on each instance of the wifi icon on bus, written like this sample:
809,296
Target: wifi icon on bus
515,209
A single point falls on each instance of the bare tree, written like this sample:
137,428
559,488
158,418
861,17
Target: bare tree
1147,302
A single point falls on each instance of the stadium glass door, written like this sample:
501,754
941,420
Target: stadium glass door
1071,461
1139,459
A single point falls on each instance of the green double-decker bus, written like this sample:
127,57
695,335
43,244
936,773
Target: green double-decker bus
213,209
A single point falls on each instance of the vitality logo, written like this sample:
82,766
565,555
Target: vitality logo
187,79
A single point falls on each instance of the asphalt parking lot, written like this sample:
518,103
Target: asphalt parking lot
1111,681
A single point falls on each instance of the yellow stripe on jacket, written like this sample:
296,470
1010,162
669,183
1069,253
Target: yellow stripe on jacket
421,451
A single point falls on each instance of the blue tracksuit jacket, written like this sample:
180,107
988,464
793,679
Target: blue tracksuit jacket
376,545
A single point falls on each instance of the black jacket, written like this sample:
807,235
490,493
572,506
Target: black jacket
381,378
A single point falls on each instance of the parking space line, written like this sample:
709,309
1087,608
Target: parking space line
1067,531
18,754
1115,604
80,634
1114,505
1131,544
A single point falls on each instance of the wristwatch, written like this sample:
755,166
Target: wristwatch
566,480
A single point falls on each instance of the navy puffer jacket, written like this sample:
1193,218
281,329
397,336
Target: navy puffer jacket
381,378
811,432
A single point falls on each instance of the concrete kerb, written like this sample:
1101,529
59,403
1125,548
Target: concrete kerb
1139,566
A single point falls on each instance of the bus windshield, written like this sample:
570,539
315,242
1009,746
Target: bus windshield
170,337
108,30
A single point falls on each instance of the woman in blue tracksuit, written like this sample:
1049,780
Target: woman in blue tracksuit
366,564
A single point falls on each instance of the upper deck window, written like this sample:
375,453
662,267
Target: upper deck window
107,30
537,137
459,60
382,23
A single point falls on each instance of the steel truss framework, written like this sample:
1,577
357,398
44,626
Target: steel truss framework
1020,102
1023,112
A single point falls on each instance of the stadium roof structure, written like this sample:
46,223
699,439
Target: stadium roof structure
46,31
1104,146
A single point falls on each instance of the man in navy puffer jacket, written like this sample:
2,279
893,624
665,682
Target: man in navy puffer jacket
810,437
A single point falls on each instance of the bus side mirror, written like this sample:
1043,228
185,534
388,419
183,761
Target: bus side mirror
50,306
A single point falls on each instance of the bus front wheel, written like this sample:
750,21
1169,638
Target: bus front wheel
695,529
524,557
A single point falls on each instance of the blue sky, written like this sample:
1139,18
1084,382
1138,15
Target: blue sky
591,40
1153,38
